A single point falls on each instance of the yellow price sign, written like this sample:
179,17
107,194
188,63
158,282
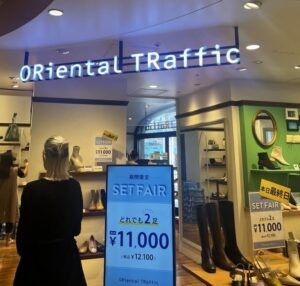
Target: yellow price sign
109,135
274,191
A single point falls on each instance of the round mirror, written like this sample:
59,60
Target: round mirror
264,128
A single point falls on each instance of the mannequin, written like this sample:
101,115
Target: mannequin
76,162
8,192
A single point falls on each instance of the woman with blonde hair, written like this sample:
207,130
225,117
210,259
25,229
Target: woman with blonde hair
50,217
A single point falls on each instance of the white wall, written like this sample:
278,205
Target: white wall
79,124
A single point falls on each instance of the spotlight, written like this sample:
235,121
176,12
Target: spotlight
55,12
253,4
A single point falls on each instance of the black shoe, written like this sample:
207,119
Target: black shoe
264,161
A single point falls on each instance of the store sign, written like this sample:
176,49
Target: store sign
266,222
274,191
135,63
103,150
139,229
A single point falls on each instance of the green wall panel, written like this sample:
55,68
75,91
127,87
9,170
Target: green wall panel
250,148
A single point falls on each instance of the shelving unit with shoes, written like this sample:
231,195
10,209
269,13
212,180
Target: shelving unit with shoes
93,223
213,154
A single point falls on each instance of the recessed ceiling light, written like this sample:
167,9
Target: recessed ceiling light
297,67
241,69
254,4
63,51
258,62
129,118
153,86
252,47
55,12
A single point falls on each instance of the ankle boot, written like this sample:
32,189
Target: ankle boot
98,202
92,205
264,161
218,254
76,162
206,259
294,261
231,248
276,154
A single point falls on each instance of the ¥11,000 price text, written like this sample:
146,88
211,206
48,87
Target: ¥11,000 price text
267,227
140,239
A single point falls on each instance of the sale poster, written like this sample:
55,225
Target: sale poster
266,222
139,226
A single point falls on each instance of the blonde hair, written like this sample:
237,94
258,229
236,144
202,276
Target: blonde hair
56,158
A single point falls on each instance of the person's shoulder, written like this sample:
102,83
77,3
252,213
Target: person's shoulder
73,181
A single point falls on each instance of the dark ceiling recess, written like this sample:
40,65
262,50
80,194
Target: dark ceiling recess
16,13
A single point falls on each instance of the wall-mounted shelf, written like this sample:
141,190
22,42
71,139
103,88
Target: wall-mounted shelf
216,165
7,143
89,255
88,213
277,171
75,173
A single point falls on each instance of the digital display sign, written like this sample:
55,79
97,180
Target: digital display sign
139,229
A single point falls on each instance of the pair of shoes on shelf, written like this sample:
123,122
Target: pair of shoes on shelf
269,163
92,246
96,201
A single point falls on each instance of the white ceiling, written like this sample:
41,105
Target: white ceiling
91,29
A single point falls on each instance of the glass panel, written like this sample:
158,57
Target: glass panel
173,151
152,148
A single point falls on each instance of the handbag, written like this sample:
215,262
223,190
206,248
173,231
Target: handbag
12,133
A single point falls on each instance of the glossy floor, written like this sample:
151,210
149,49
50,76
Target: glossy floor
9,260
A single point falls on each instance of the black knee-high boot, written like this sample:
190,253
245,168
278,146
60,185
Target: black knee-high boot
218,254
227,222
206,259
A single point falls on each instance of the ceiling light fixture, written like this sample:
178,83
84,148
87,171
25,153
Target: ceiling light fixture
297,67
253,4
241,69
63,51
252,47
15,85
55,12
258,62
129,118
153,86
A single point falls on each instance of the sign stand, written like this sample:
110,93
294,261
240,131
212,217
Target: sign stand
139,229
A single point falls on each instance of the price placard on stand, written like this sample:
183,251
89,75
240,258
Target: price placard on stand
103,150
266,222
139,229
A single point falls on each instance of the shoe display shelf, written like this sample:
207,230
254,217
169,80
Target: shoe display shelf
93,223
215,167
285,177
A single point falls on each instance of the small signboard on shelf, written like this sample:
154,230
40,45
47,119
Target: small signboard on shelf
266,222
139,231
274,191
103,150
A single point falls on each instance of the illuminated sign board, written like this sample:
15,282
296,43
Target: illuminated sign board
136,62
139,229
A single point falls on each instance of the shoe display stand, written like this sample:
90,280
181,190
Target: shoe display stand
222,278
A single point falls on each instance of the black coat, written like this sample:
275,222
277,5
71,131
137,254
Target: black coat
50,217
